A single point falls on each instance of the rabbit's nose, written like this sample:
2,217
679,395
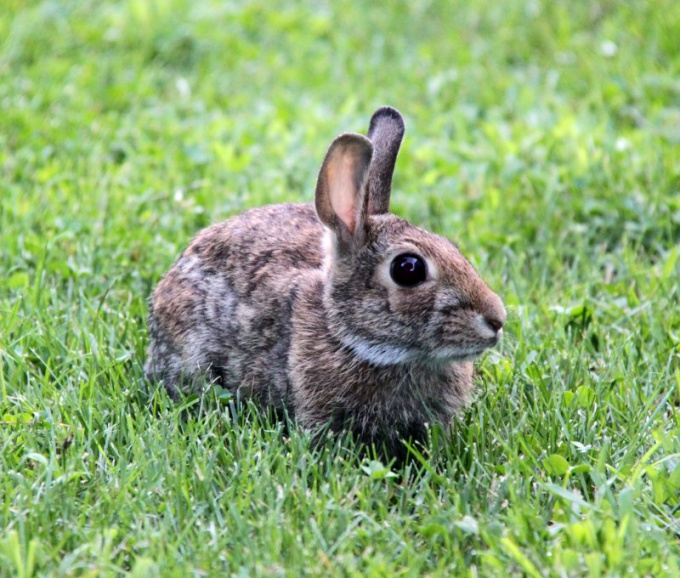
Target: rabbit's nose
495,323
493,312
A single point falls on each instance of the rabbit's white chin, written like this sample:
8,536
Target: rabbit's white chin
448,354
379,353
387,354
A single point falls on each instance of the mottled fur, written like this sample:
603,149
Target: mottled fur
293,305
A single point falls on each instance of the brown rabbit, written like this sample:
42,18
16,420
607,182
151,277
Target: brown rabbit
339,314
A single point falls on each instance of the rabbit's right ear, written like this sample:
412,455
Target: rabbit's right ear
341,189
386,132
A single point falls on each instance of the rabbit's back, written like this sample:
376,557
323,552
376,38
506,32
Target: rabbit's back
222,312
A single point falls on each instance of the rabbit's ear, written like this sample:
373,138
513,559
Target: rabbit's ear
341,188
385,132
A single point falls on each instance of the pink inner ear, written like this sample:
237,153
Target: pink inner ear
342,192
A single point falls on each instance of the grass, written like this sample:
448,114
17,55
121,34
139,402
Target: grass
544,137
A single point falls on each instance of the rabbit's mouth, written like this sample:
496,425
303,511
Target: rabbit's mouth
464,353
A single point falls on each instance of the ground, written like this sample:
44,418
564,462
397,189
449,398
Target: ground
543,137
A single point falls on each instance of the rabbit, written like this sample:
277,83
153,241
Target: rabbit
339,315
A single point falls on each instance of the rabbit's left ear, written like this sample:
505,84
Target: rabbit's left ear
386,132
341,189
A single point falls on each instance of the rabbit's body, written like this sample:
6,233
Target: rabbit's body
340,314
222,313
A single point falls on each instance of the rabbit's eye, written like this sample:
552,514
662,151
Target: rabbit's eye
408,270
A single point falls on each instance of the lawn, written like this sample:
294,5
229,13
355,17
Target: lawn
543,137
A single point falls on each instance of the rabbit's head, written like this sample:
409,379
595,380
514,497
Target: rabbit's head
394,293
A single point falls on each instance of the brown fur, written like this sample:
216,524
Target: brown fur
295,307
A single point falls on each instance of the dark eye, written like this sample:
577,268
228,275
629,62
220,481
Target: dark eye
408,270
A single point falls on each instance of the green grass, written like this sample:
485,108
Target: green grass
544,137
